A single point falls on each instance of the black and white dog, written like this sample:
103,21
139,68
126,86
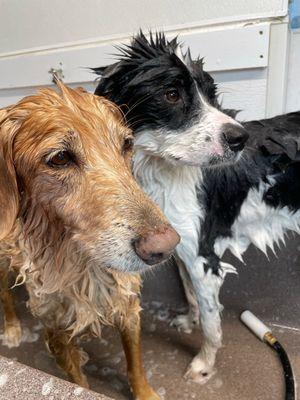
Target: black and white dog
185,146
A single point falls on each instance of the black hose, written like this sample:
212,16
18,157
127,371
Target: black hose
287,369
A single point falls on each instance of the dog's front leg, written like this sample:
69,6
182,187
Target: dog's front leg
131,339
67,354
187,322
12,326
207,286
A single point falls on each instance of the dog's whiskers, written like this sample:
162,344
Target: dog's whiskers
137,103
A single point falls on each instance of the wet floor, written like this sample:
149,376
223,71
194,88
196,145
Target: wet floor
246,368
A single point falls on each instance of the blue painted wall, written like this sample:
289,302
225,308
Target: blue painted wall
295,14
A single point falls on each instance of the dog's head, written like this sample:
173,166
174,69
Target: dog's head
171,103
65,173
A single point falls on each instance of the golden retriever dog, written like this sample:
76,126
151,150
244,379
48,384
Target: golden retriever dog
75,225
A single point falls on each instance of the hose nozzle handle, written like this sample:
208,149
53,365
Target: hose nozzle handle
255,325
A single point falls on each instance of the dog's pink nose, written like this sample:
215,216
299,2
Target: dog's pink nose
157,245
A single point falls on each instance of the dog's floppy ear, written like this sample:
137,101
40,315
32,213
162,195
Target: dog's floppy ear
109,77
99,70
9,196
108,70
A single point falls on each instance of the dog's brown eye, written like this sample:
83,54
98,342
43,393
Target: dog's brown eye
60,159
172,95
128,144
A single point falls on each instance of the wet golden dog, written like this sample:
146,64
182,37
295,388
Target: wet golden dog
74,223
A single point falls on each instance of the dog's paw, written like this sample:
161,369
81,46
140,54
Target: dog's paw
184,323
12,335
199,371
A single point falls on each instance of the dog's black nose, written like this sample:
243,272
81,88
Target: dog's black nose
235,136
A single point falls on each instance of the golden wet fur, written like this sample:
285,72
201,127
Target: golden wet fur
68,229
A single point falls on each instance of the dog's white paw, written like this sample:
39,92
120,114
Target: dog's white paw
12,335
200,370
184,323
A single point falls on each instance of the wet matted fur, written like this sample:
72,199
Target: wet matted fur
183,162
70,213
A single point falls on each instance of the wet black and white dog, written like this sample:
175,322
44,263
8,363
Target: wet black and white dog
185,145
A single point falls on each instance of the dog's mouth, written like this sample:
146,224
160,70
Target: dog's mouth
120,251
229,157
190,149
134,264
217,155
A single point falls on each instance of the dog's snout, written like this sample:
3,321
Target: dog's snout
235,136
157,245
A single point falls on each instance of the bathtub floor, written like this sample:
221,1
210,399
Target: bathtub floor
247,368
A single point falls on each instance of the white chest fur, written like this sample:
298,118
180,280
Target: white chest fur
173,188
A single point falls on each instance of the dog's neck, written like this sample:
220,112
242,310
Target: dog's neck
175,189
152,170
85,293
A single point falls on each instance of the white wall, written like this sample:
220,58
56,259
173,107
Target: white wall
293,88
237,37
27,24
245,91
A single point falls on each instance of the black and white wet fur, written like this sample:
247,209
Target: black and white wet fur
185,146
